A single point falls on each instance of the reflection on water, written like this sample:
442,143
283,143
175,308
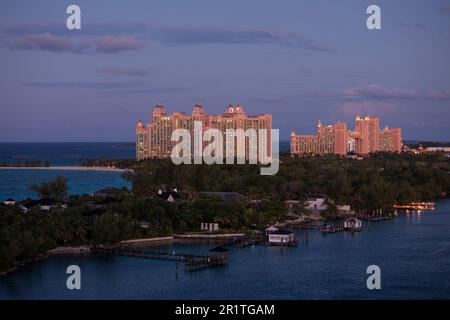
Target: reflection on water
413,252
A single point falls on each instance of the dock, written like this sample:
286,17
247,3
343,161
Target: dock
331,229
214,238
373,218
416,206
192,262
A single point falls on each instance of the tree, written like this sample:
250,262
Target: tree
55,189
331,212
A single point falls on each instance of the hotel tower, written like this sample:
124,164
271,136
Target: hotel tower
154,140
336,139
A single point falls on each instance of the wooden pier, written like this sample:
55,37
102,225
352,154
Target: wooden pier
307,226
331,229
375,218
192,262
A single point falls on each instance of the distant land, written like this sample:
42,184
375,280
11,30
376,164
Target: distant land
426,143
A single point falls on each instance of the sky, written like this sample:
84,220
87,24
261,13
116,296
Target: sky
302,61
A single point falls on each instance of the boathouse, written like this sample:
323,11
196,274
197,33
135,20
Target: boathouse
353,224
281,238
271,229
9,202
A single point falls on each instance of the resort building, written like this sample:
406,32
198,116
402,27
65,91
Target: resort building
391,139
336,139
154,140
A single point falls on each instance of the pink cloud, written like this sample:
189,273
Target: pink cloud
112,44
367,108
377,91
58,44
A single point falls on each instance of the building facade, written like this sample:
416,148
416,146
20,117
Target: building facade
330,139
337,139
154,140
391,139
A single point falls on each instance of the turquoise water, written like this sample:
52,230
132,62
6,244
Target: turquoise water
64,153
413,252
16,183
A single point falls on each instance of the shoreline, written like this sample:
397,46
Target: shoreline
69,168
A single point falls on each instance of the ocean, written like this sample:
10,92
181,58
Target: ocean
16,183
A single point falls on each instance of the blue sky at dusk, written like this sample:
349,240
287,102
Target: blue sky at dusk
299,60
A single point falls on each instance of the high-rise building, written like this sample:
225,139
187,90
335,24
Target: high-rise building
336,139
154,140
391,139
330,139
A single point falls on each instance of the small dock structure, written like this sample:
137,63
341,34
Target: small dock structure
416,206
353,224
328,228
282,238
192,262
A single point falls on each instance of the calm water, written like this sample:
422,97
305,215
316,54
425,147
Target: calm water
412,251
64,153
16,183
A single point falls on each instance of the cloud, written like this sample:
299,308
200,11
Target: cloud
146,90
444,9
377,91
113,44
44,41
270,100
85,84
195,36
419,26
57,44
305,71
133,72
87,29
119,36
367,108
110,87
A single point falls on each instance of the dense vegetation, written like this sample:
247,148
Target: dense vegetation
30,163
377,182
374,183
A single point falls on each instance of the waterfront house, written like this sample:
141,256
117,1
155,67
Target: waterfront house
316,201
24,208
46,204
170,196
143,224
281,238
344,208
9,202
271,229
292,205
210,227
353,224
